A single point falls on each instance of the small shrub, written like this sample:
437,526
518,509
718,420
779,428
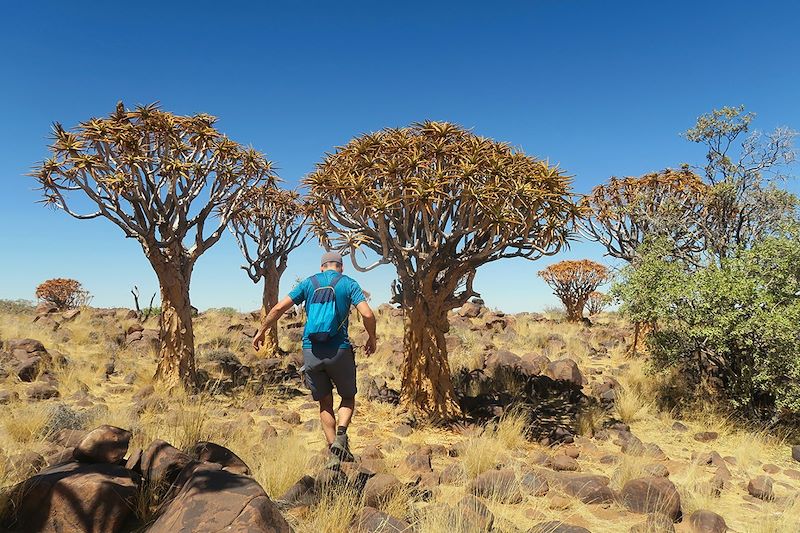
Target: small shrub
17,307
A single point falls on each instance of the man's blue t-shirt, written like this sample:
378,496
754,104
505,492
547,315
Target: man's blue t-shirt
348,293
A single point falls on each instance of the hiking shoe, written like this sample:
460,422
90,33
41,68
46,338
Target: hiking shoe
341,449
334,463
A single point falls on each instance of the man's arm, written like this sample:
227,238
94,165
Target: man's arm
272,317
368,318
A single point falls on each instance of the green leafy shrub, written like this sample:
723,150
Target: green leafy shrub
730,329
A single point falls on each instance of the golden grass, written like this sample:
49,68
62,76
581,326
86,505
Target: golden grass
480,454
334,513
278,464
631,406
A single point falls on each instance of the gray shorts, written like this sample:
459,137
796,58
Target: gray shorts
325,368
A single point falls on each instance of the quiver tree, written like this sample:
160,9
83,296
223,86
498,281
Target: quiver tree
63,293
159,177
437,202
596,302
268,226
573,282
623,212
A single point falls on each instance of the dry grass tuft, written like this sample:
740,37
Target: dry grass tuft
334,513
279,464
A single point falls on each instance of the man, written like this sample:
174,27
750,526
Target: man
328,357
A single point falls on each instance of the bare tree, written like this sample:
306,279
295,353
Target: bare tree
159,177
744,204
437,202
573,282
623,212
268,226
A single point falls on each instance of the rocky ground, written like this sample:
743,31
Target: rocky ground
562,434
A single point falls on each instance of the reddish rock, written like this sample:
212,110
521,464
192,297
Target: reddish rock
652,494
105,444
41,391
213,500
76,497
555,526
565,370
535,484
291,417
499,485
162,463
371,520
703,521
379,488
588,488
474,514
403,430
761,487
419,462
470,310
561,462
706,436
214,453
796,452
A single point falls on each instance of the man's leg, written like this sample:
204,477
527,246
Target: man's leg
345,413
327,418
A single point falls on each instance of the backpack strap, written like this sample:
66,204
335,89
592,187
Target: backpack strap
335,280
314,281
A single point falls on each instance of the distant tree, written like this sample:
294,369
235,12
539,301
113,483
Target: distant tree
573,282
437,202
159,177
596,302
742,169
269,225
63,293
670,204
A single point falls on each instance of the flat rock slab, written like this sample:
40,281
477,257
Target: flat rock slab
214,500
76,497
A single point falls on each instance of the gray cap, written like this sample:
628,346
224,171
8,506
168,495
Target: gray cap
331,257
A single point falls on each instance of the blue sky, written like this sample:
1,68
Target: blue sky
600,87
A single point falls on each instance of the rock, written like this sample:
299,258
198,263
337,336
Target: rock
419,462
470,310
761,487
555,526
371,520
534,484
565,370
162,463
502,361
451,474
26,463
796,452
291,417
656,470
105,444
379,488
214,453
475,514
706,436
588,488
770,468
213,500
41,391
28,345
76,497
403,430
70,315
652,494
60,456
534,364
561,462
27,369
302,493
7,397
267,431
679,427
703,521
499,485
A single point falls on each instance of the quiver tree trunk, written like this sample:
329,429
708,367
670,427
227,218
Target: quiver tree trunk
575,310
269,300
176,348
426,384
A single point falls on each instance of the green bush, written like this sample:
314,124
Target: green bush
731,329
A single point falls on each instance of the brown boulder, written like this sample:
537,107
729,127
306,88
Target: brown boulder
213,500
105,444
419,462
76,497
41,391
761,487
502,361
475,516
214,453
470,310
379,488
703,521
796,452
162,463
371,520
499,485
706,436
561,462
565,370
535,484
555,526
652,494
588,488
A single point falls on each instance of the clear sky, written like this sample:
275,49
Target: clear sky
600,87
